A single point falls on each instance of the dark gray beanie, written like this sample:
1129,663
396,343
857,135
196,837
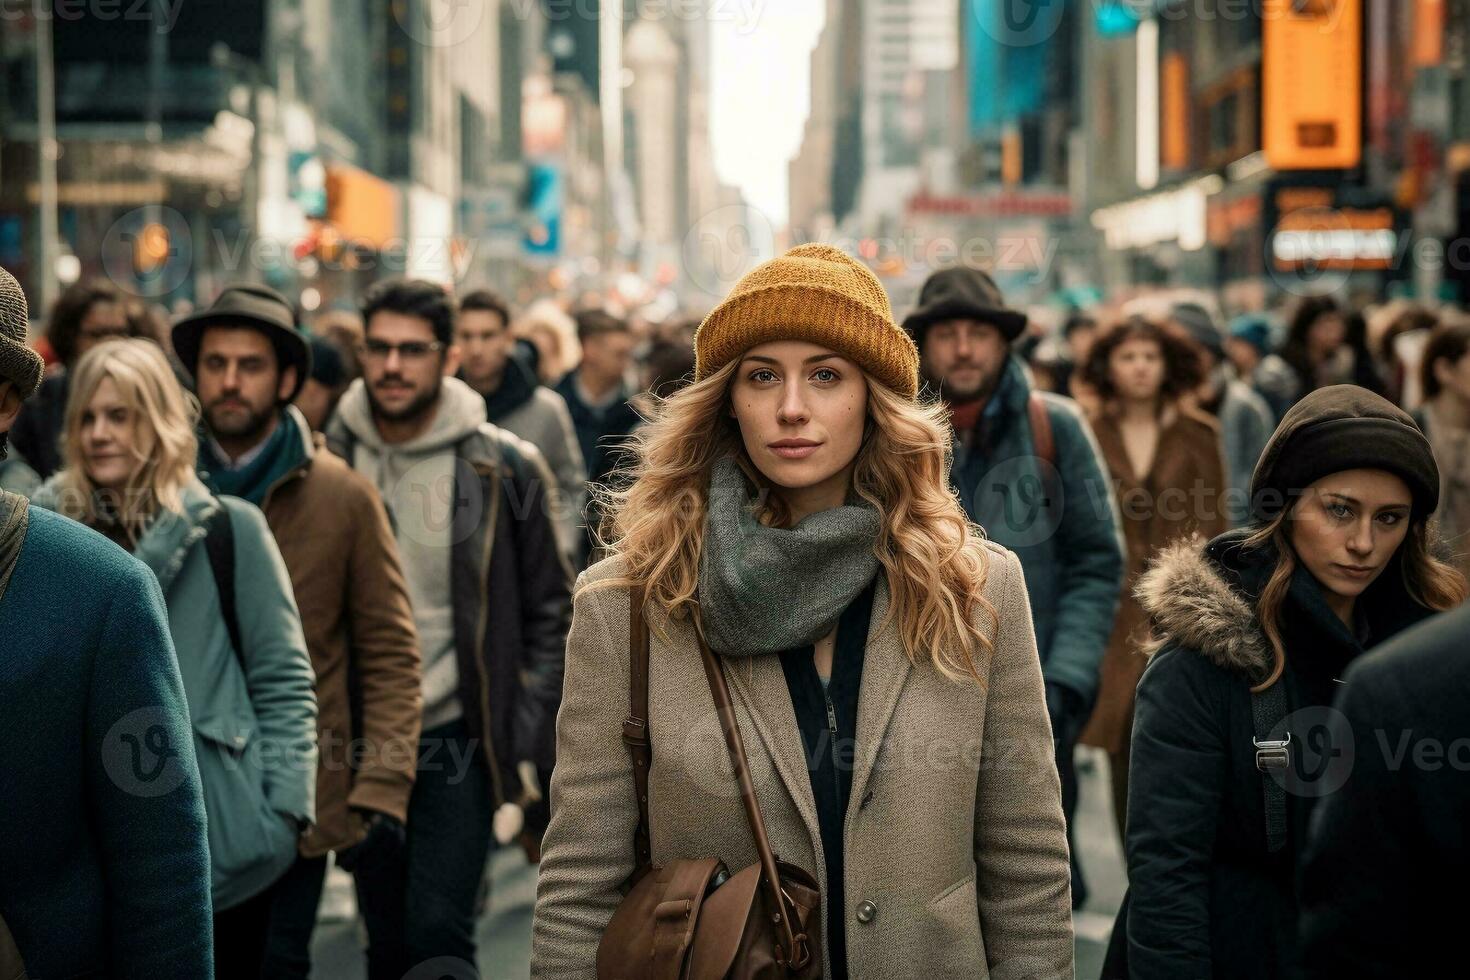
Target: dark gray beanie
1201,327
1343,427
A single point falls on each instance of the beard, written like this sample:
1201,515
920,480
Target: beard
980,390
416,408
251,427
4,444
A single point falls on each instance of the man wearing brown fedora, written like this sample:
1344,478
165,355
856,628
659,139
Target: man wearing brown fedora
102,834
249,362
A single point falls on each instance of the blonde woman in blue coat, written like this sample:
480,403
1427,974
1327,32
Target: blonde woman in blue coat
129,447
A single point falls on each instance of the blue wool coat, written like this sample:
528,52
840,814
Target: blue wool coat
1062,524
104,865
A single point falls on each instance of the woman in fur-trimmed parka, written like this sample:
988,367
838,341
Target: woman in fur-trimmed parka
1261,623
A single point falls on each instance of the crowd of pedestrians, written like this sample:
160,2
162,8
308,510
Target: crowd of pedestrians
412,582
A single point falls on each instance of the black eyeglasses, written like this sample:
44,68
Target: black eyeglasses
416,350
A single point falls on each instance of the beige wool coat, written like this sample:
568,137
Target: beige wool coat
955,832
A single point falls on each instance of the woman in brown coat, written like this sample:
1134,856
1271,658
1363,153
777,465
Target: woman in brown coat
1167,464
793,506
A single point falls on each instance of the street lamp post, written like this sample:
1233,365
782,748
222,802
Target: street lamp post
251,73
46,152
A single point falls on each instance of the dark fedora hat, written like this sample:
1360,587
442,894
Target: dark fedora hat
253,307
963,294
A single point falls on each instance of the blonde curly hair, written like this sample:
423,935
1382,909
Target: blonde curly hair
935,558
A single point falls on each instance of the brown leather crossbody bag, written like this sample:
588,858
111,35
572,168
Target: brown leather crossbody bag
691,919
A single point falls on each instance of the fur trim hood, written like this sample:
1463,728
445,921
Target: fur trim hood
1202,597
1191,604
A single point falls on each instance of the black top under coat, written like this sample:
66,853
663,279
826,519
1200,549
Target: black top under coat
829,763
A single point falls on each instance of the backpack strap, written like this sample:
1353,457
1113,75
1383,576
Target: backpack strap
635,727
1042,437
219,544
1268,711
14,519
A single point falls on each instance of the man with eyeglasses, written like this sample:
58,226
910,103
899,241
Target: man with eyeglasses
86,315
249,361
472,509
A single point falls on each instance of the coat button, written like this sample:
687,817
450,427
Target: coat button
866,911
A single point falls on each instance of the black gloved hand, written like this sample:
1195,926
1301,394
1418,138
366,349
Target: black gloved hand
385,837
1066,708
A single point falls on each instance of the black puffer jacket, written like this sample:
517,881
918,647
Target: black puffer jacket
1207,899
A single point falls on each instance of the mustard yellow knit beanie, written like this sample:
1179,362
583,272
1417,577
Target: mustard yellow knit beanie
815,293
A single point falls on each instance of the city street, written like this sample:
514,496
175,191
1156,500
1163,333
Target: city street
922,376
505,930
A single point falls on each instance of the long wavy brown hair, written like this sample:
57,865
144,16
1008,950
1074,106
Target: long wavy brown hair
1429,581
935,558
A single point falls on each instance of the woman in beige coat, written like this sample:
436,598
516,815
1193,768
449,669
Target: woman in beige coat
794,504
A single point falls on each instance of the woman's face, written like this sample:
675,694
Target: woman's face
802,409
1136,368
113,438
1454,377
1348,525
1327,333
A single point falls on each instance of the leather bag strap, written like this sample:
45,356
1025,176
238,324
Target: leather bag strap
635,726
791,949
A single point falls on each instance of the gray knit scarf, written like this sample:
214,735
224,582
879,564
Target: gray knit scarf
765,589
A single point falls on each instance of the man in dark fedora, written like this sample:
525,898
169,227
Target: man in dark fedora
249,361
1028,471
102,835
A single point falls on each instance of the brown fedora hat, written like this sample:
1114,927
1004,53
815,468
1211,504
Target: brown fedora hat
960,293
252,307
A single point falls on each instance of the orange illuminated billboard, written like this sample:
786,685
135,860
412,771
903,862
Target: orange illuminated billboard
1312,84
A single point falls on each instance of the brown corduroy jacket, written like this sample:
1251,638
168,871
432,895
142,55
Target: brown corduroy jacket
955,832
334,535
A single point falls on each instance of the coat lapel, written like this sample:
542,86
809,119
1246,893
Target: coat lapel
760,683
885,669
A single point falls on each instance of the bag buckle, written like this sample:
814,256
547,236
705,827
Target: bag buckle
1272,753
635,732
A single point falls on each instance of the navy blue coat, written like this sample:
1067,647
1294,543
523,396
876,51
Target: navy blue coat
1062,524
1388,855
